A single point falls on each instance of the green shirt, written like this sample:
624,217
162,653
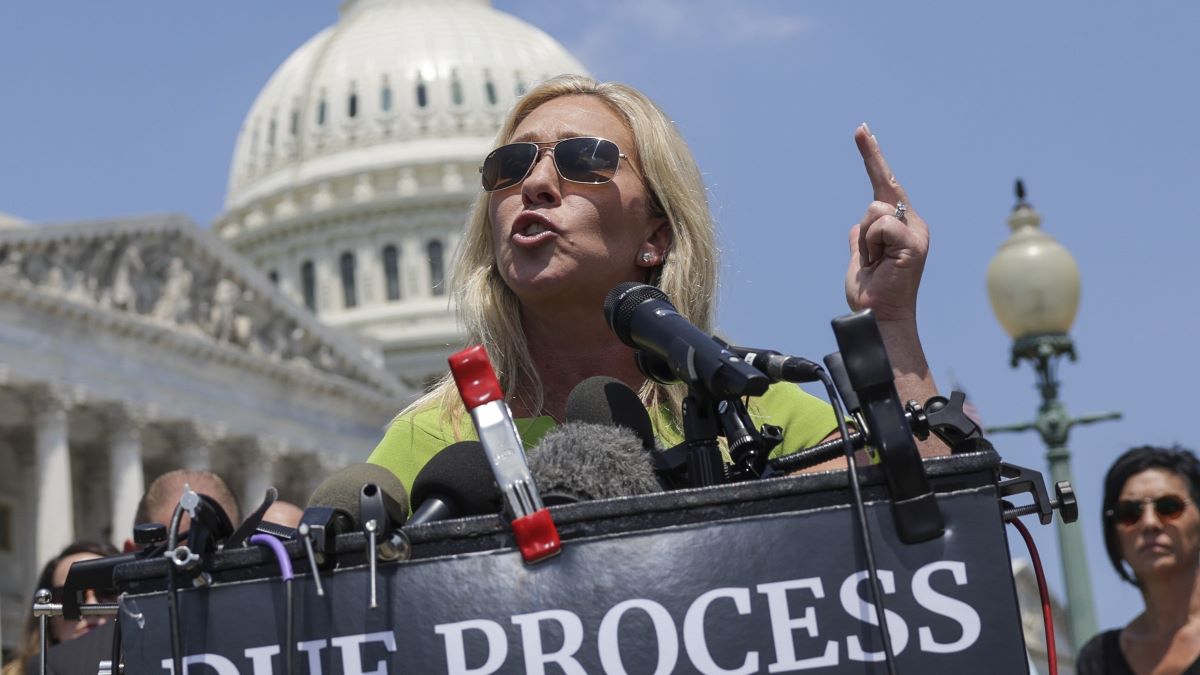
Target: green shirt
415,437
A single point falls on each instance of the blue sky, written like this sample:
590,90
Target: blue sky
133,107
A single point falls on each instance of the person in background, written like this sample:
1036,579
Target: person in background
53,577
283,513
1152,533
157,506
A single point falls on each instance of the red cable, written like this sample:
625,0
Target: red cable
1047,614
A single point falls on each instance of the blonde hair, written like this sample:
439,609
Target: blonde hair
490,311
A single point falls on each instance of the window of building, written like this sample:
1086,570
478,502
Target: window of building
271,133
321,113
391,271
385,96
456,90
352,106
520,83
349,296
294,126
437,274
273,275
489,88
308,280
422,93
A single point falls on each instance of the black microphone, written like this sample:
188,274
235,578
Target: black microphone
334,507
779,367
580,462
210,526
456,482
643,317
609,401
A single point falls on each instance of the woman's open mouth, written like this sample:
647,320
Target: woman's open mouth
531,230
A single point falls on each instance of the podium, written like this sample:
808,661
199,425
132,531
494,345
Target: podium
764,576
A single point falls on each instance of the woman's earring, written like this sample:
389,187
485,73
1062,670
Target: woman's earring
647,256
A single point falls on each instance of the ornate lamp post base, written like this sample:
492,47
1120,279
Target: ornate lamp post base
1053,424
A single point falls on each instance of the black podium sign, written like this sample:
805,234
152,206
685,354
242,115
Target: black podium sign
766,592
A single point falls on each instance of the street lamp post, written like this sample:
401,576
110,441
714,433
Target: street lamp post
1033,284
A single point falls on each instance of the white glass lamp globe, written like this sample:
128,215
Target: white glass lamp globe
1033,281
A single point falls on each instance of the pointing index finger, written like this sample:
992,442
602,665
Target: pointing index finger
883,181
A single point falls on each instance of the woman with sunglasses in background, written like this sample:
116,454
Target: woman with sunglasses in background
592,185
53,576
1152,532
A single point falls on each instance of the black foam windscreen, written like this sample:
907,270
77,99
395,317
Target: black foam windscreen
342,488
579,461
609,401
462,475
622,302
643,317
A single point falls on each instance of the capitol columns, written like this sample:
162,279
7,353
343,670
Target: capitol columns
328,281
195,442
329,464
54,520
258,469
126,475
372,284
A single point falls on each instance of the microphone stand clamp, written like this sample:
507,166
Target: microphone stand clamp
703,464
914,505
187,562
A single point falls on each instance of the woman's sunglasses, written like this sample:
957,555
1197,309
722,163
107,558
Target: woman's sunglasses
1128,512
586,159
56,595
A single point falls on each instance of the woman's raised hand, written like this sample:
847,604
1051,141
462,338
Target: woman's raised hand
888,246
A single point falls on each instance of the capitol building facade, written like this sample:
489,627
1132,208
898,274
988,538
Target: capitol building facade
275,346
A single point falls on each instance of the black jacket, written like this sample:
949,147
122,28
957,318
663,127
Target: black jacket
81,656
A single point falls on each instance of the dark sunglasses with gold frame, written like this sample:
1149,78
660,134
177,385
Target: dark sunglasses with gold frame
584,159
1129,511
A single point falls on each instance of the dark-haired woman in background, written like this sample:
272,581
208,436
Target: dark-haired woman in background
1152,532
53,576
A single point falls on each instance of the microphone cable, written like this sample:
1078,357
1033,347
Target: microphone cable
1044,592
863,530
285,570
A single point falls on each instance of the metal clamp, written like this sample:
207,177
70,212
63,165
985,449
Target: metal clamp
1019,480
1065,503
184,559
306,535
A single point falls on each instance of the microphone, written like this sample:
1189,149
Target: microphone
609,401
337,505
210,526
456,482
342,493
360,496
643,317
579,461
779,367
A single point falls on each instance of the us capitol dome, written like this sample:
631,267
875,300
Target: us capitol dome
357,164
